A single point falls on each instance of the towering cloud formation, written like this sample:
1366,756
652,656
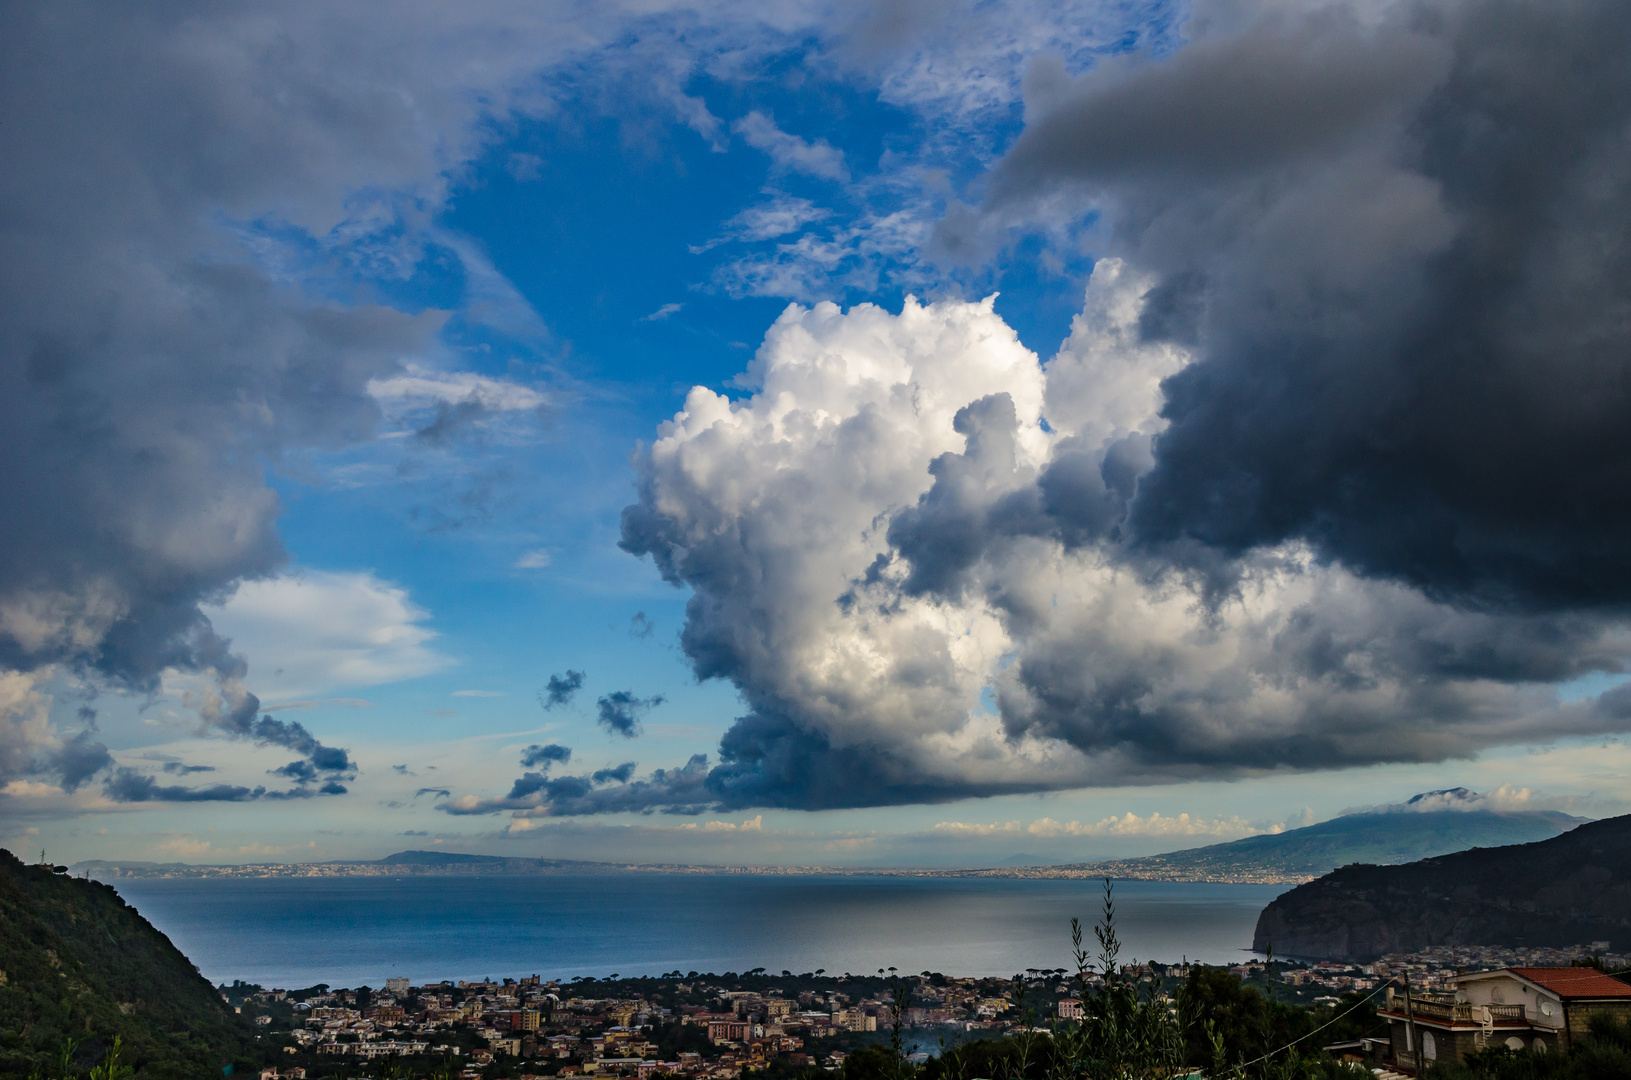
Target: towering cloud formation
1329,471
912,551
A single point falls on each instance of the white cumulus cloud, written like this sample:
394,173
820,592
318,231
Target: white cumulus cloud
913,515
1128,824
316,631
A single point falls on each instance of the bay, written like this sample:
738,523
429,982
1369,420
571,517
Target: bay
351,931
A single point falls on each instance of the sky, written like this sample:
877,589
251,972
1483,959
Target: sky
831,433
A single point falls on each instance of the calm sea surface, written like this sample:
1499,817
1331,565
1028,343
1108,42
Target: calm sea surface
294,932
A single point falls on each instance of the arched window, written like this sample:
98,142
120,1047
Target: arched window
1514,1043
1429,1046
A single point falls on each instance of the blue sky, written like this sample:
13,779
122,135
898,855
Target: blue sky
506,247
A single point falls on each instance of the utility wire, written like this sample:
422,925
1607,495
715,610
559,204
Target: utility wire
1316,1031
1334,1019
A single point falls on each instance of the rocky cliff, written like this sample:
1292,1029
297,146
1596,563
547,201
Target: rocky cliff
1573,889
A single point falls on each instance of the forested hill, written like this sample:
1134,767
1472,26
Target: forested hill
78,963
1571,890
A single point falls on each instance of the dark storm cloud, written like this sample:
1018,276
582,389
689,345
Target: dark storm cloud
1412,279
319,773
765,760
607,791
79,759
148,368
1220,108
128,785
551,754
620,711
560,689
620,774
324,765
1386,674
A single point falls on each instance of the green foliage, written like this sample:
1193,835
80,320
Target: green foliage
675,1039
1226,1022
1218,1007
968,1061
1128,1029
90,985
111,1067
1604,1054
871,1063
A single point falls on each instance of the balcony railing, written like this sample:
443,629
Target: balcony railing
1454,1012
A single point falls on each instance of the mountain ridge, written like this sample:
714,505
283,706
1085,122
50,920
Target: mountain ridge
1571,890
1390,835
1386,837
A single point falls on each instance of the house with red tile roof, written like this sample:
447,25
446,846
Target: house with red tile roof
1541,1009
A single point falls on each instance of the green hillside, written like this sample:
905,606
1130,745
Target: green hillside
78,964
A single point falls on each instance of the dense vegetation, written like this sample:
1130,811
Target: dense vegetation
80,971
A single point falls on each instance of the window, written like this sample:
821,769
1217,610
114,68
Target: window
1429,1046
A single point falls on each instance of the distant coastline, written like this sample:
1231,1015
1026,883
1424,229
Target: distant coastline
1389,836
448,863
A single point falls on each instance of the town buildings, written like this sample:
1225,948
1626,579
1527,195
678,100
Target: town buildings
710,1028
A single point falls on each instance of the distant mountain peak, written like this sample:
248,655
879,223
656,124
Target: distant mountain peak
1504,799
436,858
1431,824
1448,795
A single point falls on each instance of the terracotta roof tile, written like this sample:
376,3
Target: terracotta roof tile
1575,982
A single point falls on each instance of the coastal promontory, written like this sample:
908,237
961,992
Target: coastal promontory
1571,890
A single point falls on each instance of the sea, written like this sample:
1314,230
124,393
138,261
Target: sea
352,931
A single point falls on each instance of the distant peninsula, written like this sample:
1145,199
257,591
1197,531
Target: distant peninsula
1573,890
1386,836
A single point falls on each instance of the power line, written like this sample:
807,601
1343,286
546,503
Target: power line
1356,1005
1317,1030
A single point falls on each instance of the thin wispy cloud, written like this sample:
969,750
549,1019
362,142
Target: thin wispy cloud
817,157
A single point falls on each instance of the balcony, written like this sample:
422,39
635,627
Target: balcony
1441,1010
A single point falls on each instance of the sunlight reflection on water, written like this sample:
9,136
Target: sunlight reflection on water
294,932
